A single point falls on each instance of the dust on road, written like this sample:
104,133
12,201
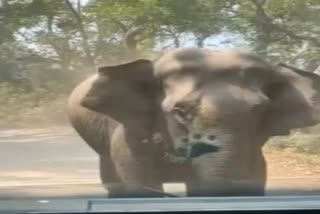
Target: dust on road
45,156
58,156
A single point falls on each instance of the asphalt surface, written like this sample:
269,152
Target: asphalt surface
45,156
55,163
50,163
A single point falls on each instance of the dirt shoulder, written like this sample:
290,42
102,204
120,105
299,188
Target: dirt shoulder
287,168
292,170
291,163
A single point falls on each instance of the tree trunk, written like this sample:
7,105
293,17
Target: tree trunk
85,43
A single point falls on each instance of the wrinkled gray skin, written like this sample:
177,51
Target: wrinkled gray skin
215,108
124,128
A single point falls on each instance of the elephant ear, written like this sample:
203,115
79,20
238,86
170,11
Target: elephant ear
295,100
124,92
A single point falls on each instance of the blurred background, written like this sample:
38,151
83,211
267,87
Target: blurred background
49,46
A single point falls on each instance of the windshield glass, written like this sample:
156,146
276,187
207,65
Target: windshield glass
159,98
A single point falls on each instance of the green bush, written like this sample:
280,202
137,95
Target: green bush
21,107
306,141
46,105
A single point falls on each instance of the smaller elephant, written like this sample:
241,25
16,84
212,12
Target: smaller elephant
124,128
213,111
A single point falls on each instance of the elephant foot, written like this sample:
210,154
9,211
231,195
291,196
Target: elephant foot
139,194
120,191
224,192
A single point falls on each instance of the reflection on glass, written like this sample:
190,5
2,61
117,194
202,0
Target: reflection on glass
159,98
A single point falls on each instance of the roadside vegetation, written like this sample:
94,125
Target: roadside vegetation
49,46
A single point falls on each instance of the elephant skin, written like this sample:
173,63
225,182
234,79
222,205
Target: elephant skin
131,150
216,109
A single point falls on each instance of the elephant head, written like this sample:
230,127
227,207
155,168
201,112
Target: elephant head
231,102
127,93
220,107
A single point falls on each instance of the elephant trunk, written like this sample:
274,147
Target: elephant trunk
229,173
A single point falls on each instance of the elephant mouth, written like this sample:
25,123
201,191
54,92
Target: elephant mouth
194,150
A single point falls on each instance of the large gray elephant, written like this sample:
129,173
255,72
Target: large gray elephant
216,109
126,128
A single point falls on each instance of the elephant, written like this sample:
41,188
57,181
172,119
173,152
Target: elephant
132,152
212,110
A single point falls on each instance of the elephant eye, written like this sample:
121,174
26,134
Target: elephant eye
181,113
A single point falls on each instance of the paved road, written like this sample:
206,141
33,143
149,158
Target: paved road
55,162
47,162
44,156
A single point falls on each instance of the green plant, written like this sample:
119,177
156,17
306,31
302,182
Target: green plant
308,141
42,105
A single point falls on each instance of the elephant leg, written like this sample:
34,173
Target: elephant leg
133,186
143,191
199,189
110,180
136,167
139,181
261,176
